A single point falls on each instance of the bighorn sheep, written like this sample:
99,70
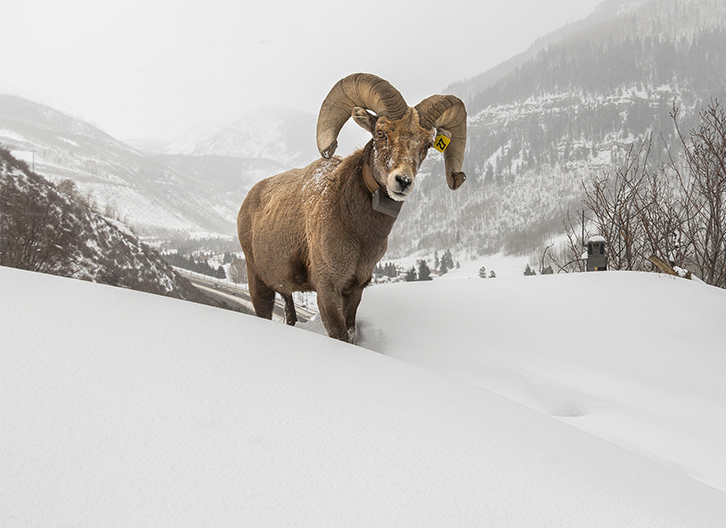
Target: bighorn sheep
323,228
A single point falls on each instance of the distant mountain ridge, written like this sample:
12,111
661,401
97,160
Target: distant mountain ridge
157,199
540,125
282,135
605,11
573,110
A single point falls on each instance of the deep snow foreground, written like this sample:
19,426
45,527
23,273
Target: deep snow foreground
125,409
636,358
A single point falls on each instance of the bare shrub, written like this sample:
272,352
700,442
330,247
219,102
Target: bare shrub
37,232
702,228
676,213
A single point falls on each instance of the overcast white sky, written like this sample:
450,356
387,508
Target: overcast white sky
156,68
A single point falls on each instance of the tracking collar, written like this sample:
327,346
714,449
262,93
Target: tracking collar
381,201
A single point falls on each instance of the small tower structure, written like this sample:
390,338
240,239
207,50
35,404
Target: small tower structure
597,258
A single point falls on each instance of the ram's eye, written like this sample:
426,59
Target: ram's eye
380,134
428,146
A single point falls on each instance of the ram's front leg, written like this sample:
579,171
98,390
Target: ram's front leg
350,308
330,304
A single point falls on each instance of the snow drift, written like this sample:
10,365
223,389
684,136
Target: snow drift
126,409
636,358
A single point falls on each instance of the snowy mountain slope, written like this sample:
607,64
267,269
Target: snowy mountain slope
227,173
607,10
283,135
232,177
570,112
196,189
635,358
135,410
582,98
45,230
154,197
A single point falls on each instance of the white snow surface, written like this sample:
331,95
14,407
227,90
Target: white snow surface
638,359
125,409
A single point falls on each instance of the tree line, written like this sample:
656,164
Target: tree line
197,265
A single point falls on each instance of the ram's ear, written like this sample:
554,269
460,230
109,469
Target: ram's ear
364,118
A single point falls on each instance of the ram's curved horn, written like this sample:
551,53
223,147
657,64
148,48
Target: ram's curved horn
360,89
447,112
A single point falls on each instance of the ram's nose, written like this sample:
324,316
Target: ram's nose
404,181
400,184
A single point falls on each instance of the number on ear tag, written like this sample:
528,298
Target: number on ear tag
441,142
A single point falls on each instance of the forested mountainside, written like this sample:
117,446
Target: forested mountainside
606,10
571,112
43,229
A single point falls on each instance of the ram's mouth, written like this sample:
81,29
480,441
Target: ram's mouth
398,196
397,190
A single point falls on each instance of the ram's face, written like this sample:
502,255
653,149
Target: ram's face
399,148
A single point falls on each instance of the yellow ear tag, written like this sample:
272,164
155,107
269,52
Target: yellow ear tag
441,142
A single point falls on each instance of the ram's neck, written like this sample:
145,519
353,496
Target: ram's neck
369,225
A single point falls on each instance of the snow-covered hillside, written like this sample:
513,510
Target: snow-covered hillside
584,97
283,135
125,409
607,10
155,198
45,229
274,134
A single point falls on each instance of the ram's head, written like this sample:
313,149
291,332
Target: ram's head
402,135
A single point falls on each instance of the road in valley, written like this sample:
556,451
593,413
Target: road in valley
240,296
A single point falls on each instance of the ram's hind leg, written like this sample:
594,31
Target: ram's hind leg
263,297
290,313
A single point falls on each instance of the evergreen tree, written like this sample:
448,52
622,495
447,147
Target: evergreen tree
424,272
411,275
492,275
238,271
447,262
528,271
483,272
392,270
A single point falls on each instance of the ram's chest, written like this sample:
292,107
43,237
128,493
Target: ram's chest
343,257
343,232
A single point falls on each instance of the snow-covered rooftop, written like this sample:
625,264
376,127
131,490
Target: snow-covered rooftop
596,239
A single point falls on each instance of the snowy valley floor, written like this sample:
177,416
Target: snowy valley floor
571,400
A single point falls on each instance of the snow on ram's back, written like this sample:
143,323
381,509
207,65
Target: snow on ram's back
125,409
